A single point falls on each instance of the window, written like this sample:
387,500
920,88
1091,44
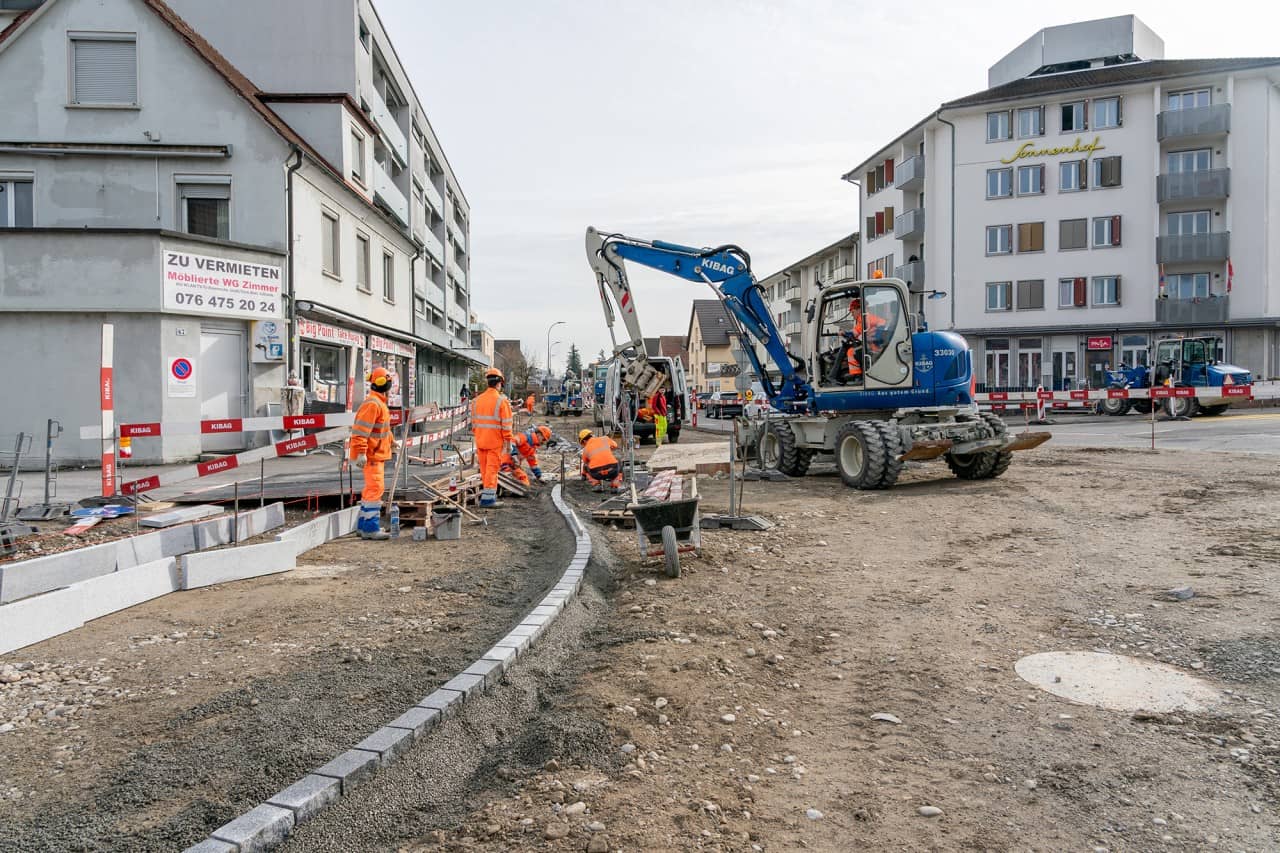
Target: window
870,182
17,206
1030,237
1192,285
363,260
1134,350
1072,234
1031,295
997,362
1071,293
1030,180
999,295
1198,160
329,243
999,183
1030,122
1106,231
104,70
420,307
999,239
357,156
999,126
1189,100
205,207
1106,113
1030,360
1072,176
1189,222
364,35
1073,117
1106,172
388,277
1106,290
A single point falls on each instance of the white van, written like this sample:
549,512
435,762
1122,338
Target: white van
606,415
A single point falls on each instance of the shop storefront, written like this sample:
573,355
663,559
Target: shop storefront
328,358
400,360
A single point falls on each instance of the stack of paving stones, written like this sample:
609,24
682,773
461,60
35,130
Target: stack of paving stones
270,823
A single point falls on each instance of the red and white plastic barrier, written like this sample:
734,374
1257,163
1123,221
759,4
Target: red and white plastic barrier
1000,401
222,426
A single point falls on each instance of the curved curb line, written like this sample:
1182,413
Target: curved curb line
269,824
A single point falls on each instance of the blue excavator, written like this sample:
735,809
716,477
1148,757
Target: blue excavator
872,386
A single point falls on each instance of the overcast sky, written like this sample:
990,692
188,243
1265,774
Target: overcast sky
701,122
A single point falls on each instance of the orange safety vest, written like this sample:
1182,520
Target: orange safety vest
525,447
371,433
598,452
491,419
528,403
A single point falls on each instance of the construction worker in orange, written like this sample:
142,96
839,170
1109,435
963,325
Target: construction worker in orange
491,421
599,466
874,328
526,444
528,403
371,447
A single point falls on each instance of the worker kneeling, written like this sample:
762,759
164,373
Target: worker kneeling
526,444
491,421
371,447
599,466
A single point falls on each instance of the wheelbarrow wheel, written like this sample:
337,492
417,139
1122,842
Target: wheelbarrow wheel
672,551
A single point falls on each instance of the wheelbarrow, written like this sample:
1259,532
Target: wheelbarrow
668,528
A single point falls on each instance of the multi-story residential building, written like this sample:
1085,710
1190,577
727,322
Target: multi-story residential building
1094,198
712,340
231,233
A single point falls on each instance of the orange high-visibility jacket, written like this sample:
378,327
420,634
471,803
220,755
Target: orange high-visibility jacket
491,419
598,452
371,433
525,445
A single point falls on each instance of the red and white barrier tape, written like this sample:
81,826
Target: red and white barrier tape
1158,393
421,414
417,440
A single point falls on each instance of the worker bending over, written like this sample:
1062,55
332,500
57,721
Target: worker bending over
491,421
526,444
371,447
599,466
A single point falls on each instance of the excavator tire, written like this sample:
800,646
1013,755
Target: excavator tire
777,450
1002,458
893,449
985,464
861,455
1185,407
1142,407
1116,406
1214,411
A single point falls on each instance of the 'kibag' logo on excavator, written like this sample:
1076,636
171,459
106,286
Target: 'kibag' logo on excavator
727,269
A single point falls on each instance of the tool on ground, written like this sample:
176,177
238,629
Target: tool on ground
49,508
13,489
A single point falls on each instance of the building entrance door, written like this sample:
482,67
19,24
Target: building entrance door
1064,370
222,384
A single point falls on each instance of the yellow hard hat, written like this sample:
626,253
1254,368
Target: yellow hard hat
379,377
584,435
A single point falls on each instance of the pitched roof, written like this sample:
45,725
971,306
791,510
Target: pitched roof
713,322
674,346
1109,75
15,23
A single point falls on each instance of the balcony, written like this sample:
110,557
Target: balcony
912,273
791,293
909,176
1191,248
456,232
388,194
1208,121
792,328
847,272
1193,312
434,199
456,273
458,315
435,249
1209,185
909,225
391,132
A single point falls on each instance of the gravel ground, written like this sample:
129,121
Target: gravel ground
183,712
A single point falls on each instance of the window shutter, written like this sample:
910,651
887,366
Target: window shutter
871,183
879,223
1119,112
220,191
1115,230
871,227
888,172
1117,290
888,218
106,71
1081,292
1008,296
1037,236
1041,170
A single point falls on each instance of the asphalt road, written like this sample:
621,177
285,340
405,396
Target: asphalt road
1245,431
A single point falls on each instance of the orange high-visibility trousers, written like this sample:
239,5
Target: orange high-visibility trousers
373,483
489,461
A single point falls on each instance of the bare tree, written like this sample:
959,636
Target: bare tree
520,378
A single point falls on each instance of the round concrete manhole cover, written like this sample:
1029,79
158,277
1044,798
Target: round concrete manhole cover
1116,682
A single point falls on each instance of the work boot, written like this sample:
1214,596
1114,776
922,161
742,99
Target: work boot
493,504
368,522
376,535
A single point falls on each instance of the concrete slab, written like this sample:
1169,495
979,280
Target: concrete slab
444,701
519,644
541,610
24,623
389,742
180,515
417,720
149,547
218,531
686,457
307,796
504,655
32,577
317,531
233,564
351,768
213,845
466,684
258,830
121,590
1118,682
489,670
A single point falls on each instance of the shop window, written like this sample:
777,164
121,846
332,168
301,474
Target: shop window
1072,234
1031,295
17,205
997,362
1134,350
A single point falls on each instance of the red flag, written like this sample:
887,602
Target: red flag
1231,271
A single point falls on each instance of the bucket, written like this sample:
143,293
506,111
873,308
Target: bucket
447,523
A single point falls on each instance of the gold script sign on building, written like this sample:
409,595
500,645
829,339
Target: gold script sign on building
1028,150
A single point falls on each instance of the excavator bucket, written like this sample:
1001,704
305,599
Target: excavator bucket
924,450
1027,440
643,377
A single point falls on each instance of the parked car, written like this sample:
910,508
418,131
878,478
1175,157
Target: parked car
724,404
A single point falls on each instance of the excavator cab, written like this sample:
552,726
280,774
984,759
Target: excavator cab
863,336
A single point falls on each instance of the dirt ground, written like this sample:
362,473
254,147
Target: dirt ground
739,697
148,728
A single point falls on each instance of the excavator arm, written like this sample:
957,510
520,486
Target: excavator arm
727,270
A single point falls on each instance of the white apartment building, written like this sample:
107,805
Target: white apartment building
1095,198
137,157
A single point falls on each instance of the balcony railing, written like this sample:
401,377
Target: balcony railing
1193,247
910,174
1187,312
434,199
386,123
792,328
1194,186
909,225
847,272
912,273
434,247
456,232
386,192
1213,120
456,273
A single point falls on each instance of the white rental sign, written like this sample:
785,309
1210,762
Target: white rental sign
200,284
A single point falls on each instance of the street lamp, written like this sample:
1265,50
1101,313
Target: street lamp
550,350
549,328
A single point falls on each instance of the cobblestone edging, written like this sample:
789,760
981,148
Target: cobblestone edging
270,823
